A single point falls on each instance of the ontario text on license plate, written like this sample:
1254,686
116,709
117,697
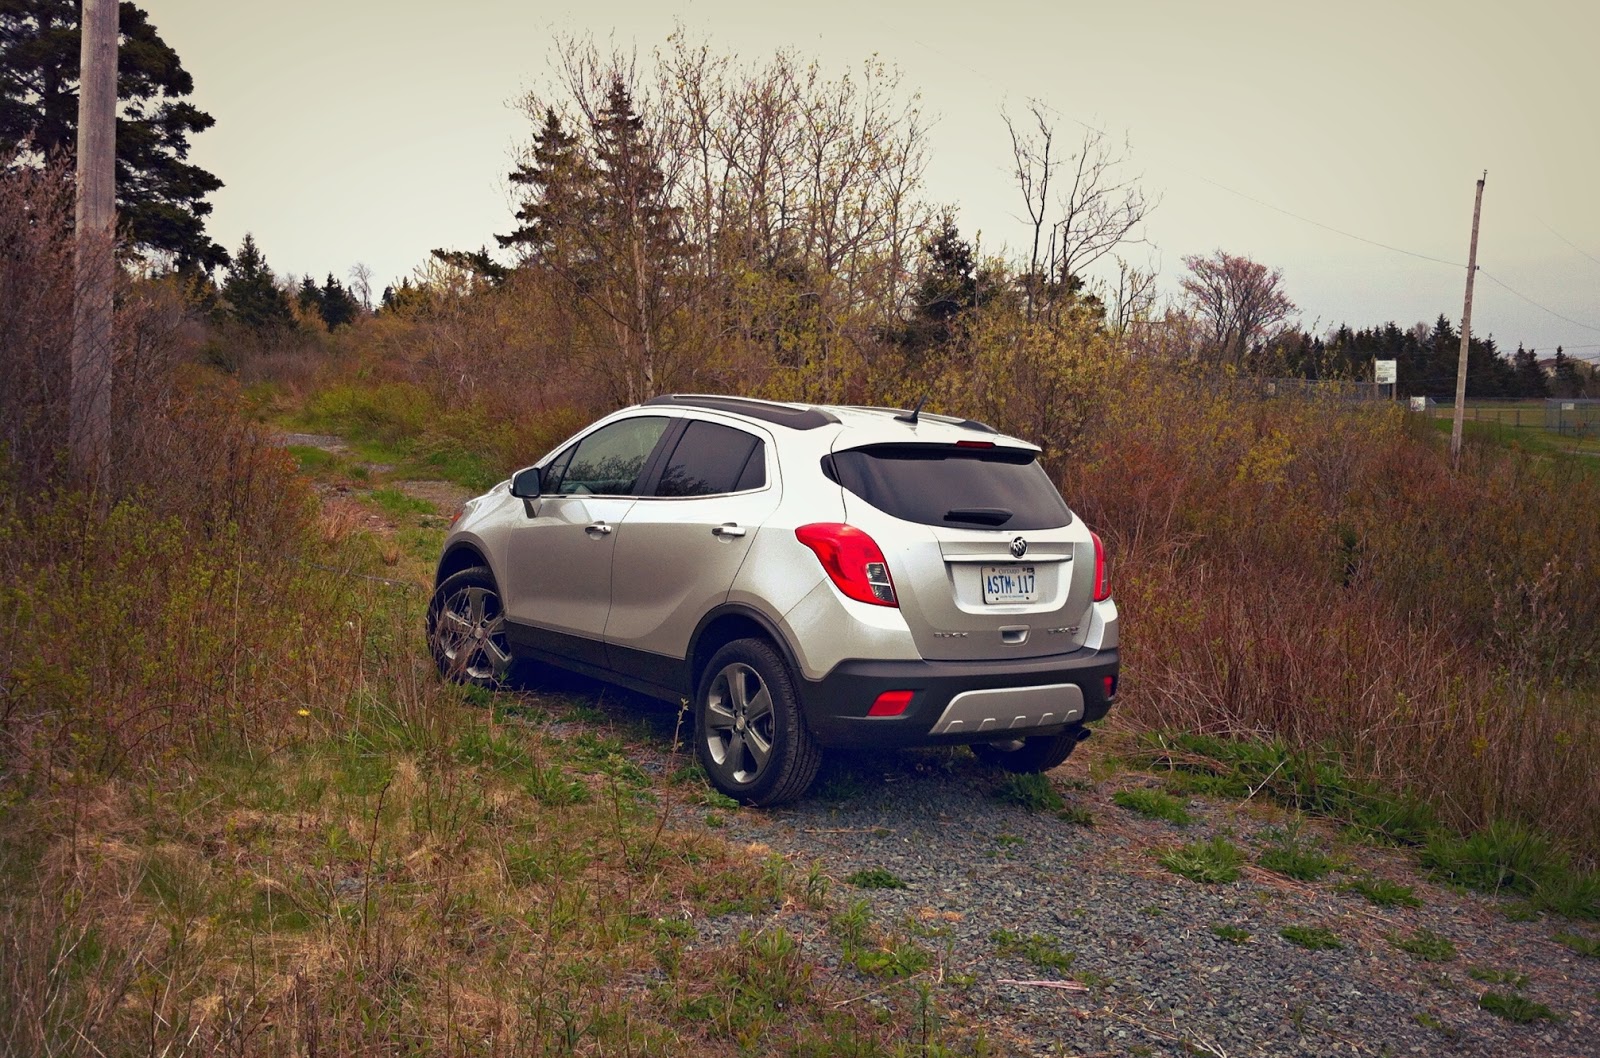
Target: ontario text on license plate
1006,584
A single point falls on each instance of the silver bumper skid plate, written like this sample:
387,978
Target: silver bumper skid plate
1010,709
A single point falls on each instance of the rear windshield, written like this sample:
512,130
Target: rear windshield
967,488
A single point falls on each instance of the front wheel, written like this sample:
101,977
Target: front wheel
749,734
1031,755
467,629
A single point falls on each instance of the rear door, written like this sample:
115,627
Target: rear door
987,560
682,545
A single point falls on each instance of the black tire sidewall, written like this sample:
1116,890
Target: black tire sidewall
795,755
475,577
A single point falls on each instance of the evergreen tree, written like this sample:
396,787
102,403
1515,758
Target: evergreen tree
1530,376
560,201
310,296
339,306
251,291
160,195
1567,382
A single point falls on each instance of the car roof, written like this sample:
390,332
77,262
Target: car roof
886,423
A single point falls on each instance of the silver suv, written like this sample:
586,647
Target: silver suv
806,576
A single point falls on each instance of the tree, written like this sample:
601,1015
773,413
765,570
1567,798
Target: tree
1080,207
1566,381
1239,302
339,306
251,291
160,195
1530,376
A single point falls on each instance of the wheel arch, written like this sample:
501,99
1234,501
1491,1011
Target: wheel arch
726,624
457,557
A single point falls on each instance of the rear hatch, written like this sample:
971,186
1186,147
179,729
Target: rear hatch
986,559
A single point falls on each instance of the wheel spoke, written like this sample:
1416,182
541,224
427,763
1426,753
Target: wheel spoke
458,623
760,707
719,717
760,749
475,605
738,692
498,659
735,757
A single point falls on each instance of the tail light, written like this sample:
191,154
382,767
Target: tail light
1102,575
852,560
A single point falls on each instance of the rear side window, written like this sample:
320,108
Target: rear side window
608,461
711,459
966,488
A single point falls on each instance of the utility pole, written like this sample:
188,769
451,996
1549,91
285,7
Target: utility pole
1466,332
89,424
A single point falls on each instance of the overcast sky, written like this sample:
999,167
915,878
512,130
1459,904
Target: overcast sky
357,130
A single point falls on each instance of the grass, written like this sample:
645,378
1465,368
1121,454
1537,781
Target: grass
1040,950
875,878
1311,938
1293,858
1153,804
1426,945
1213,862
1077,815
1515,1008
1031,791
1384,892
1588,947
1504,858
1231,934
1492,976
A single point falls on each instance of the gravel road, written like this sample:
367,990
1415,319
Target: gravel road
1160,982
997,893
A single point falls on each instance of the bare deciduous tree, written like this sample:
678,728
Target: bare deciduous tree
1081,205
1240,304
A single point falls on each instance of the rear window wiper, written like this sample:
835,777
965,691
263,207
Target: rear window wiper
979,515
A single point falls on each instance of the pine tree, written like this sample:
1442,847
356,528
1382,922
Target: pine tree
1530,376
160,196
560,201
339,306
251,291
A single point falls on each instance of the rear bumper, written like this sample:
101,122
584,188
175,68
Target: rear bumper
959,701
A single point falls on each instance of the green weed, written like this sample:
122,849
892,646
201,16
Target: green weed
1426,945
1231,934
1289,856
875,878
1211,862
1585,946
1043,952
1384,892
1077,815
1515,1007
1153,804
1312,938
1034,792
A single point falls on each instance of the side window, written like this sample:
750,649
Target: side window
711,459
554,471
608,462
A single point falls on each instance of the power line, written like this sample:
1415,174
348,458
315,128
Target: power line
1569,242
1325,227
1577,323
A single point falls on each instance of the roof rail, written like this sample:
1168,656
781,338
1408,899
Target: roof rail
796,418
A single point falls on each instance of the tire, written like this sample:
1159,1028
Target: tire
749,735
1030,755
467,630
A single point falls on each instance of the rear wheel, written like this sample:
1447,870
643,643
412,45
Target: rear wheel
1036,754
467,629
749,734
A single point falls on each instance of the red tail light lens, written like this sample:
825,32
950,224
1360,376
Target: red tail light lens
890,703
1102,575
852,560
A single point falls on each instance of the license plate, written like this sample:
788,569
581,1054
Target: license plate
1008,584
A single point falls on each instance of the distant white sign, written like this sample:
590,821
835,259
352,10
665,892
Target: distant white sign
1387,373
1568,405
1419,403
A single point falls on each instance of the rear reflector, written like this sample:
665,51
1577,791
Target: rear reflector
890,703
974,444
1111,687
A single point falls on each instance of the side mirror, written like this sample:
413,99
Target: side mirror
525,484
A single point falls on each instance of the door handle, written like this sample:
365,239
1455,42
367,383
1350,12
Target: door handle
727,530
600,528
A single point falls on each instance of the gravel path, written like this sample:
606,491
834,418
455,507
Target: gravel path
1160,982
997,893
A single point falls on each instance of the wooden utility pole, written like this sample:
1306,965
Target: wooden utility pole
89,425
1466,332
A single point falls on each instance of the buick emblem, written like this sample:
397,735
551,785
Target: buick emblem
1019,547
